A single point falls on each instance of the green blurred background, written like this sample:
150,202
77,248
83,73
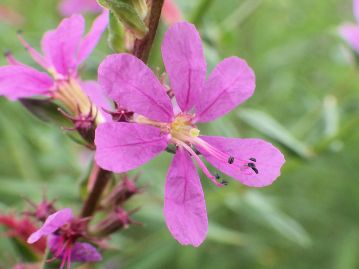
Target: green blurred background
306,103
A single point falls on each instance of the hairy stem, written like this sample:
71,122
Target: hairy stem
100,178
143,46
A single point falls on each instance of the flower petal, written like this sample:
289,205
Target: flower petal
69,7
171,13
93,36
128,81
269,159
350,32
52,223
94,91
185,64
17,81
85,252
356,9
60,45
231,83
184,204
122,146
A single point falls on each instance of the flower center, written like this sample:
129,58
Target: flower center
183,129
70,94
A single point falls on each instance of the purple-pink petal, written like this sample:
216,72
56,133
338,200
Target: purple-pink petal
350,32
356,9
69,7
52,223
132,84
96,94
18,81
269,159
60,45
231,83
80,251
93,36
122,146
85,252
184,204
185,64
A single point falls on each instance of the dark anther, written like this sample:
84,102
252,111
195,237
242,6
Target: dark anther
230,159
217,176
225,183
251,165
196,151
7,53
252,159
255,170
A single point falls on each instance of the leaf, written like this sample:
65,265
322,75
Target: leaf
224,235
331,116
24,250
270,127
279,221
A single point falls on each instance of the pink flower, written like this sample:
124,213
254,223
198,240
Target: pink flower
64,50
157,123
69,7
171,13
62,231
350,31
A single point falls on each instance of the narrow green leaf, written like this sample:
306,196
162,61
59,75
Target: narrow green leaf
279,221
267,125
224,235
24,250
331,116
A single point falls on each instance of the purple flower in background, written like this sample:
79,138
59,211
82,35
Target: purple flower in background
350,31
69,7
62,231
122,146
64,50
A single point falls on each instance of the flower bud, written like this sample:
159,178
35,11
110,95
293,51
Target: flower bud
117,220
131,13
123,191
42,210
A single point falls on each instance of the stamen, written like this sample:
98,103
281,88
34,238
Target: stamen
194,132
199,162
253,165
255,170
223,157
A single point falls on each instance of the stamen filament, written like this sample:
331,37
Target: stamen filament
199,161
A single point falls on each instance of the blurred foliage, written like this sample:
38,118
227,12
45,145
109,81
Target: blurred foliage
306,102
